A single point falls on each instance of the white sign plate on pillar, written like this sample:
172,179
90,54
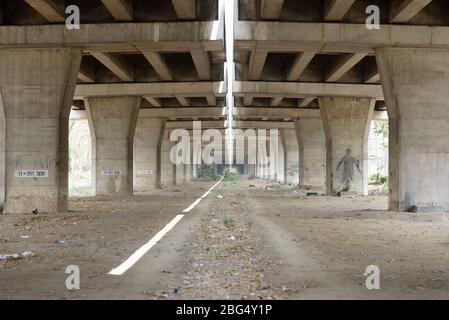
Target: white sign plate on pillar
32,174
111,173
144,173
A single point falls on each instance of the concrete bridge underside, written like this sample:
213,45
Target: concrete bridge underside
138,69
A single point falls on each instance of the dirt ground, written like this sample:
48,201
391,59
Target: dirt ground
246,240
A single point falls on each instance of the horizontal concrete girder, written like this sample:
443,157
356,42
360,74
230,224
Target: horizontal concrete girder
276,113
188,125
263,125
217,112
81,115
334,37
157,89
181,113
123,37
304,90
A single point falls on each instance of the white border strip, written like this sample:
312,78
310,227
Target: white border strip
136,256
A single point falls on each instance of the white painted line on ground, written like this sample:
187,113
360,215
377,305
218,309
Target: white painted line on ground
197,202
136,256
125,266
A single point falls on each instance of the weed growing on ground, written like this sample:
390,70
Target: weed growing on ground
228,222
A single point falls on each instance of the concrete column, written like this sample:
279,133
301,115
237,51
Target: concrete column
36,93
145,153
416,88
168,169
282,166
312,154
291,156
159,154
274,150
263,146
346,123
113,123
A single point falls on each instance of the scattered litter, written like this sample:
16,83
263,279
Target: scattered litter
174,290
220,196
35,211
16,256
9,256
24,237
231,238
65,241
28,254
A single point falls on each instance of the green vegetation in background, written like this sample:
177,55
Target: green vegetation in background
379,180
206,172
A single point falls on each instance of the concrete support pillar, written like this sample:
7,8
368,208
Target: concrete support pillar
146,141
167,168
416,88
346,123
36,93
282,167
274,150
291,156
113,123
312,154
159,153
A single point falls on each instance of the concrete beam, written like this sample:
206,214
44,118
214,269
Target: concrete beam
119,37
402,11
201,60
335,10
121,10
115,65
276,113
153,101
185,9
305,102
248,100
276,101
211,100
78,115
188,125
306,90
380,116
86,75
335,37
250,112
263,125
301,62
48,9
256,64
180,113
158,64
372,75
343,65
159,90
183,101
271,9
